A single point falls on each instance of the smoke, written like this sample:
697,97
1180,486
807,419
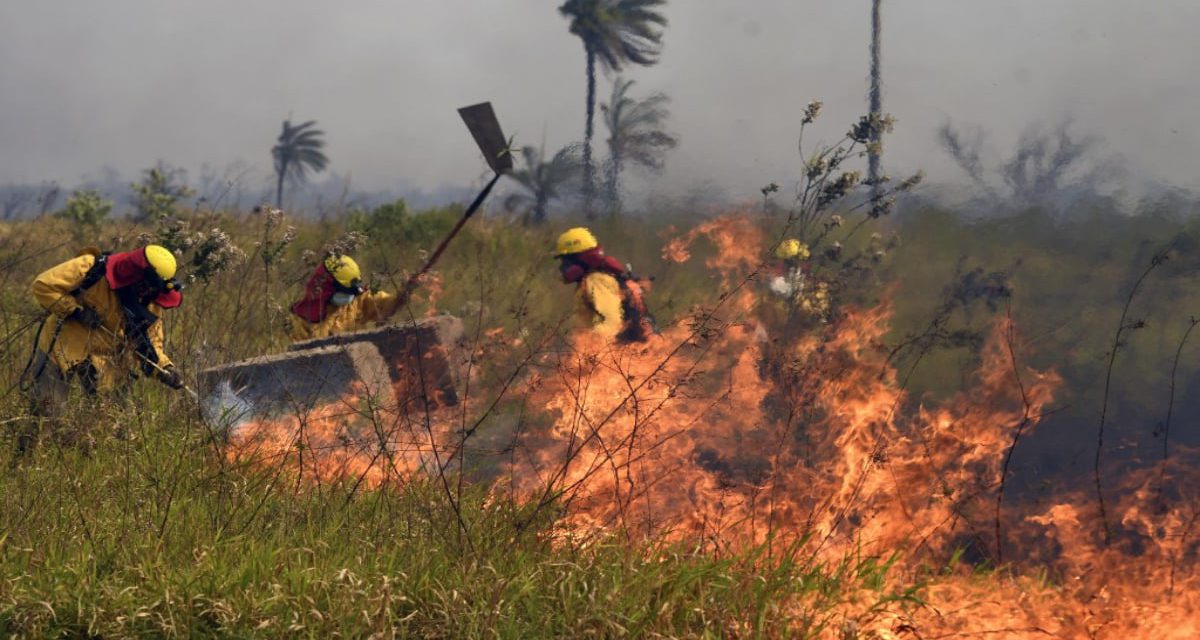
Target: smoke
226,410
22,200
384,81
236,186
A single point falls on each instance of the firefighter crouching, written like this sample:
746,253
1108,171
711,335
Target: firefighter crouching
335,301
102,327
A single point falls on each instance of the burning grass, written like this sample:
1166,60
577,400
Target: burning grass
745,441
749,473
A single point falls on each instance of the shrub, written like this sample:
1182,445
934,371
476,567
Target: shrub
85,210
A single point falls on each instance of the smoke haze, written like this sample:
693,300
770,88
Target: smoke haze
124,83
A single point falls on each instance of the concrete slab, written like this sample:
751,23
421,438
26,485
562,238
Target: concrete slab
418,355
294,384
399,369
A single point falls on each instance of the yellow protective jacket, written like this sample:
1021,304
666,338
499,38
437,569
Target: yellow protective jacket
113,358
598,304
371,306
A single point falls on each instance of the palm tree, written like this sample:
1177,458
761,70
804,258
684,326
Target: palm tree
874,170
543,181
296,152
635,134
615,32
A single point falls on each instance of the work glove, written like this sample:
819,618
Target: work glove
87,316
170,377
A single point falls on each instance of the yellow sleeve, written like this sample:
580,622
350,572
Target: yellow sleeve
155,334
52,288
301,329
604,297
378,306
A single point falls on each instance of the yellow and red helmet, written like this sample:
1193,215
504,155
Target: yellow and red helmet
344,270
792,249
576,240
162,261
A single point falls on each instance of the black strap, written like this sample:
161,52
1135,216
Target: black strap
93,275
138,320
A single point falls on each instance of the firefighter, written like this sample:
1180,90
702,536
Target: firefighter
335,301
791,271
806,296
608,299
102,327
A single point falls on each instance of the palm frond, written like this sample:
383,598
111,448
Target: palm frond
618,31
297,152
544,180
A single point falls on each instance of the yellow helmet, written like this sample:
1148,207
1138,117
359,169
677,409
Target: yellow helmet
161,260
343,269
575,240
792,249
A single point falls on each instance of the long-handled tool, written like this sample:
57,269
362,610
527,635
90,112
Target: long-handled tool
485,128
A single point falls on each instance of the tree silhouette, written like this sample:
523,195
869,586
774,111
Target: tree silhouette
635,134
613,32
1044,162
543,181
296,152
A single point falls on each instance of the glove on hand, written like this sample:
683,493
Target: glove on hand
87,316
170,377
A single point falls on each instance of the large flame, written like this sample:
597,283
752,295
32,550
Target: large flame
726,432
695,436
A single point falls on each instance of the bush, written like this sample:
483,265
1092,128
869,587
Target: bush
393,222
157,195
85,210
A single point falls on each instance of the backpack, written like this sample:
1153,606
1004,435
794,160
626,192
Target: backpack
93,274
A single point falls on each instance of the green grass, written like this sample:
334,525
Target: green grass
155,534
149,536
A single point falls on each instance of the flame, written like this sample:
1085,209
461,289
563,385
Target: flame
352,439
726,432
663,411
691,437
434,288
738,242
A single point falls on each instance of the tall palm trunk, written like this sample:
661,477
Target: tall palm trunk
876,99
539,209
588,171
612,186
279,186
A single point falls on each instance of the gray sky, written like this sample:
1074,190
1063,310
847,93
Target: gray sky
126,82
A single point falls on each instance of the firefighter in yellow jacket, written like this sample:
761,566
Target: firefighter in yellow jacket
335,301
103,327
608,299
